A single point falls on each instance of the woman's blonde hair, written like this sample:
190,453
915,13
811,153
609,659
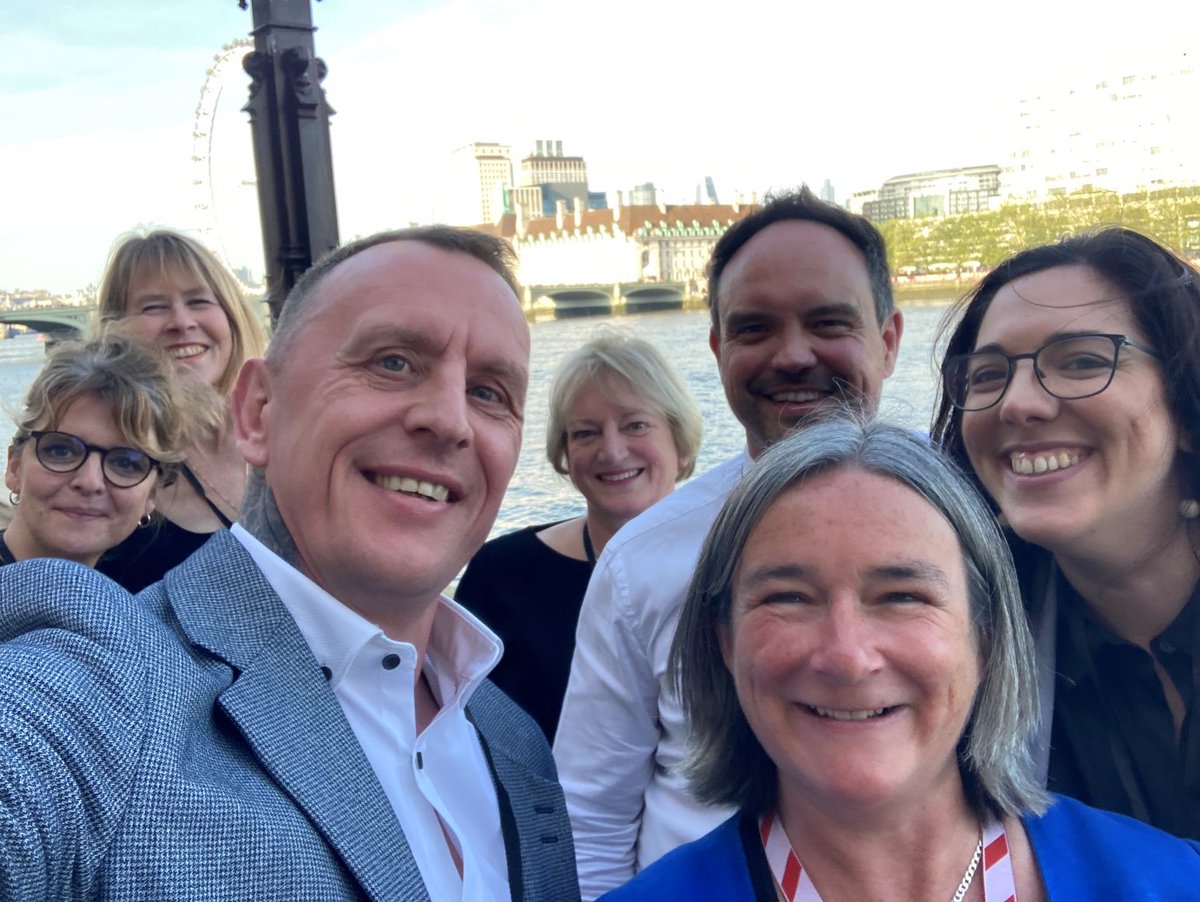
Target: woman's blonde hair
135,253
636,363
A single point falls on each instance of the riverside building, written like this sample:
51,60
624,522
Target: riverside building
627,243
938,192
482,176
1131,129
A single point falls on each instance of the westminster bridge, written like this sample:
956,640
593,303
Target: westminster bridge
56,323
603,298
64,323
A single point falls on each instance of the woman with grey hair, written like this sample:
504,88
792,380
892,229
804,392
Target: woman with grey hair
624,429
858,673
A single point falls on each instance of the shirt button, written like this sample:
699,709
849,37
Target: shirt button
1166,647
391,662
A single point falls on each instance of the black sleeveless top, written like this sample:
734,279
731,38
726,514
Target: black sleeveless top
145,557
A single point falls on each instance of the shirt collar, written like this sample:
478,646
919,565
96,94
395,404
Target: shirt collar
747,459
461,651
1073,661
1184,631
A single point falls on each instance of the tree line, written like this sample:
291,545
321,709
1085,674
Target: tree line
961,245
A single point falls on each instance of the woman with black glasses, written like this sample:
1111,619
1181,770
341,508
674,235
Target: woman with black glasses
101,429
1071,393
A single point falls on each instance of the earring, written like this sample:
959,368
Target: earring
14,498
143,521
1189,508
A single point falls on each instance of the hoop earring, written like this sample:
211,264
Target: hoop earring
143,521
1189,508
14,498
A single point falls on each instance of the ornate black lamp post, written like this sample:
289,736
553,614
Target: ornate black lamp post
289,122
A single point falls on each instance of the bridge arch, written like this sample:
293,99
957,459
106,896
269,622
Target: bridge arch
57,323
576,300
645,297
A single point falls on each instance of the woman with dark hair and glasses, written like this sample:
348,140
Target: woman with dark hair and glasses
100,431
1071,394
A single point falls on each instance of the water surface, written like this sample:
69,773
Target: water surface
538,494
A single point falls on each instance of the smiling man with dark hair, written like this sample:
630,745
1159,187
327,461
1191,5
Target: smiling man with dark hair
802,320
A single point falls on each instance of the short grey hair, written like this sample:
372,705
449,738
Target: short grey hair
494,252
613,354
727,765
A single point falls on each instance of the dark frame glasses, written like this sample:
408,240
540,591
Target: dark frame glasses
62,452
1068,368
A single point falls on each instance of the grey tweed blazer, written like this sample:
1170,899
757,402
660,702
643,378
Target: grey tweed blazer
185,745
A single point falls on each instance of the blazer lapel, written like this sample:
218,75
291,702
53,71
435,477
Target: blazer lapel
532,810
289,716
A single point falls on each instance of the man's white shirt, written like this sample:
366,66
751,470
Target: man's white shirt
622,734
440,777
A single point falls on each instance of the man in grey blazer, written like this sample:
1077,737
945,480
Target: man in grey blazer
297,712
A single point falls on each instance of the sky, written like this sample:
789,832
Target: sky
98,101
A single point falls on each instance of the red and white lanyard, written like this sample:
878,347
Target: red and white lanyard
797,886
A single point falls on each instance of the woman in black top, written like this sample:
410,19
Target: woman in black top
169,292
99,434
1071,392
623,428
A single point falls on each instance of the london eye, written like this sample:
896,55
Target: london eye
223,169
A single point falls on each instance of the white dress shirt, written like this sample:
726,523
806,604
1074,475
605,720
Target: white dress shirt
441,773
622,734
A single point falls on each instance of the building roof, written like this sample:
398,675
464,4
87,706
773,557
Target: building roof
628,218
989,169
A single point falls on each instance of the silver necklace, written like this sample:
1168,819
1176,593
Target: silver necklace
208,488
782,859
961,892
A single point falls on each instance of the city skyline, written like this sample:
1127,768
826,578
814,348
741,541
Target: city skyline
98,100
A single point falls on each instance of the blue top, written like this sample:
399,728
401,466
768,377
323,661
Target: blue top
1082,853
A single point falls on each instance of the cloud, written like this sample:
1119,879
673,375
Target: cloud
96,184
98,99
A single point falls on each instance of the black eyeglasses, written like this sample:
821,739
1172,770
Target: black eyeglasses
1068,368
61,452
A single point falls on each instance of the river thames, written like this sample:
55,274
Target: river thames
537,493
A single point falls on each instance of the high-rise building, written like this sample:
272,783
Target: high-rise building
643,195
560,177
827,192
482,176
1133,128
528,198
